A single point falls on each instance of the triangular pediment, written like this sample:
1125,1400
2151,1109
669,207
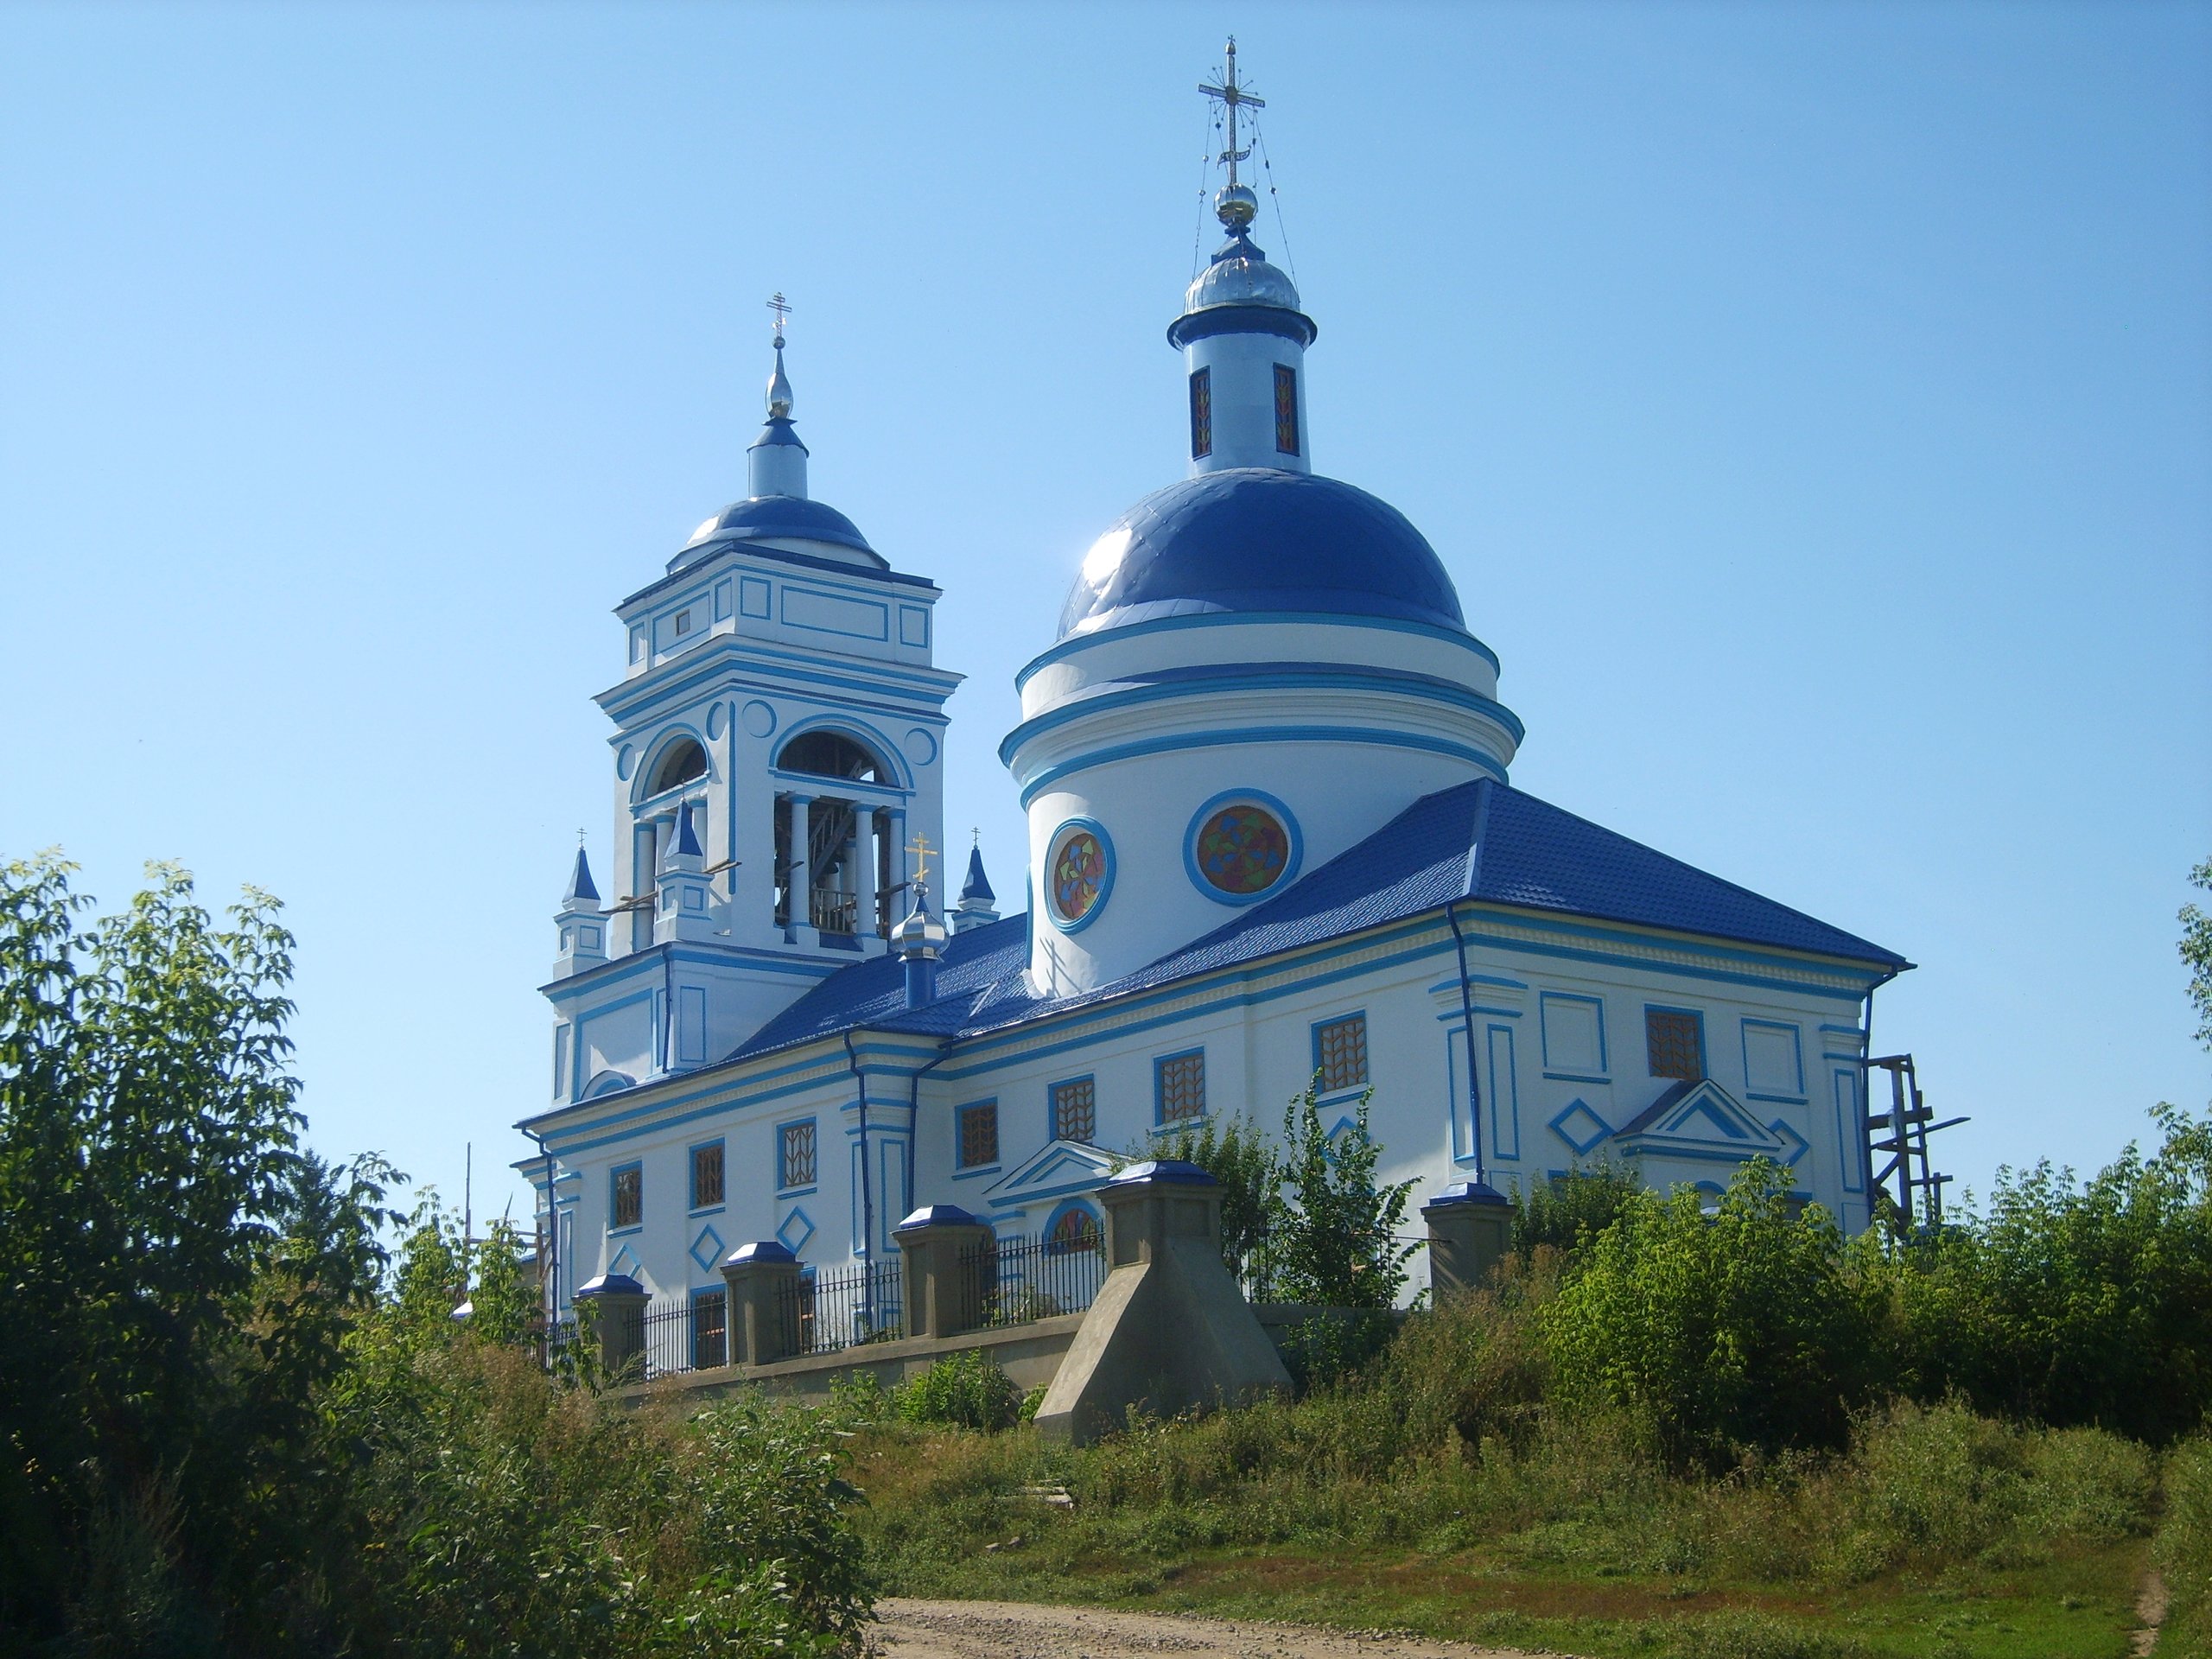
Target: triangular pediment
1701,1117
1058,1168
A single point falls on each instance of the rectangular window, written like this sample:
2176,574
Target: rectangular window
1675,1040
979,1134
1201,413
1285,408
1178,1086
710,1329
626,1198
1075,1109
1340,1052
796,1166
684,622
706,1175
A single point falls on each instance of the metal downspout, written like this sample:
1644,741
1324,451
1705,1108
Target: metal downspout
867,1191
1467,1010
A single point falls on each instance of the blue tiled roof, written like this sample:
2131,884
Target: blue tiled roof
1483,841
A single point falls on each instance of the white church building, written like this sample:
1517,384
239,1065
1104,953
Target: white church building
1271,837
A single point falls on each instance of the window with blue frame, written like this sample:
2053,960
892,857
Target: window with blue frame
1075,1109
625,1197
979,1134
1179,1087
707,1176
1340,1053
1674,1039
796,1159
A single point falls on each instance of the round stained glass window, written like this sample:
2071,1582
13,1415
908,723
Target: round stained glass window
1078,874
1241,847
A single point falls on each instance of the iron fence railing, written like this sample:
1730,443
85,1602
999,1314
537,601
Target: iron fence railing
1018,1280
825,1312
691,1334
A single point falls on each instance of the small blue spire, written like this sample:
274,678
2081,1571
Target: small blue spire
580,885
977,887
687,839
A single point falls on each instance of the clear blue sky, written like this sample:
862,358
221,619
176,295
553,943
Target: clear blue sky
1813,404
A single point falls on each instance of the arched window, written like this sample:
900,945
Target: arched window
831,754
683,760
1074,1232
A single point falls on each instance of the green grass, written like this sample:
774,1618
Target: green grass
1938,1535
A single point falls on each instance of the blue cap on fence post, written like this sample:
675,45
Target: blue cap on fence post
760,1250
611,1284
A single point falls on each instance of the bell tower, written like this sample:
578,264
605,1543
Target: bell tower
778,743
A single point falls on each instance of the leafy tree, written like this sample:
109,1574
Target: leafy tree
1238,1154
2087,1303
1573,1208
1716,1332
2197,953
1336,1242
170,1261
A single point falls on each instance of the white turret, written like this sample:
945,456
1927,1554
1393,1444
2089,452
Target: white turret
684,895
583,930
1243,337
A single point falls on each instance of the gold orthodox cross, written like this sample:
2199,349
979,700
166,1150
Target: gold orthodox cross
920,848
781,307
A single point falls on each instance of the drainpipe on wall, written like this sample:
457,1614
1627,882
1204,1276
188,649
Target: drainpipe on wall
867,1191
551,1265
1467,1011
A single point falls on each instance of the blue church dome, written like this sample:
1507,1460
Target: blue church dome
1255,538
764,518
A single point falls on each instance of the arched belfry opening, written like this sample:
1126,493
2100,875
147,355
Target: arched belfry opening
680,763
836,845
832,754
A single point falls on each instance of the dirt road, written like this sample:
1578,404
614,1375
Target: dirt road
1008,1629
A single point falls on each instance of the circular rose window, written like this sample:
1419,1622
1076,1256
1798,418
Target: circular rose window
1241,847
1078,874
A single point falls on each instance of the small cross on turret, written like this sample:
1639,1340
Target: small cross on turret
781,307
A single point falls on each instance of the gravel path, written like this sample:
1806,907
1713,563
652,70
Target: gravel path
1009,1630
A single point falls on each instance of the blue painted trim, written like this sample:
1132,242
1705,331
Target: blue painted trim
1177,742
1544,1000
1797,1047
979,1169
1581,1148
1504,1101
917,694
960,1136
1105,880
1159,1064
1324,678
1075,643
1294,326
1284,816
1765,981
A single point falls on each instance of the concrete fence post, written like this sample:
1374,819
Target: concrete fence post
620,1301
762,1327
1169,1330
940,1244
1470,1229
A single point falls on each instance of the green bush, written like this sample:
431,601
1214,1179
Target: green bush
1737,1329
963,1390
2068,1303
2183,1550
1570,1210
1337,1242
